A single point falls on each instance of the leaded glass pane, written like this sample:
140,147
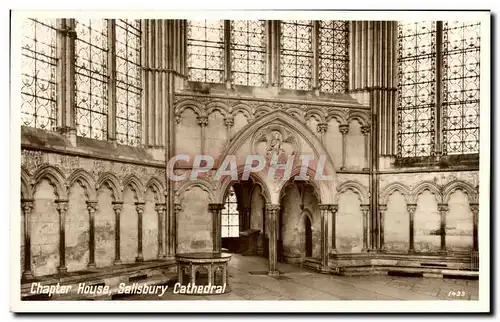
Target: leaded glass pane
248,50
333,56
38,74
91,68
296,54
128,81
461,87
205,48
417,50
230,216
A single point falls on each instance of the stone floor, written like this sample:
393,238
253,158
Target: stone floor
301,284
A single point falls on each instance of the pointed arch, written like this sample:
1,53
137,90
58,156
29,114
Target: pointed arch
110,181
85,180
359,116
393,187
217,106
55,177
136,185
298,129
305,213
430,186
243,109
464,186
296,112
157,188
356,187
315,112
223,185
338,115
262,110
196,106
26,192
200,183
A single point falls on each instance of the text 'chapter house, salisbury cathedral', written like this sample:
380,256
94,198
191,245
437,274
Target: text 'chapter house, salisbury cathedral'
249,159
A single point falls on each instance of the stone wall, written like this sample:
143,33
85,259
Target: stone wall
65,184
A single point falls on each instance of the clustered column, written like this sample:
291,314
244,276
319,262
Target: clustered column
333,210
91,208
216,210
271,215
160,211
202,122
27,208
366,133
365,209
382,209
474,207
139,207
443,210
322,128
411,208
324,236
344,129
117,208
177,211
62,208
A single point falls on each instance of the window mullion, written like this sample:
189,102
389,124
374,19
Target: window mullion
315,64
111,122
438,133
227,53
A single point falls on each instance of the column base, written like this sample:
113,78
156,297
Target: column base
411,251
62,269
91,265
443,252
27,275
343,168
365,169
117,262
324,270
273,273
139,259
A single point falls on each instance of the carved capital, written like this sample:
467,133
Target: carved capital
411,208
229,121
443,207
117,207
382,208
334,208
91,206
202,121
27,206
324,207
322,127
214,207
177,208
139,207
474,207
272,209
62,206
344,129
365,129
160,208
365,208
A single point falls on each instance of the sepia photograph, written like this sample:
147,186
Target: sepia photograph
242,157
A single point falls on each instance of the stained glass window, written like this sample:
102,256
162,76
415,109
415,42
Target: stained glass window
296,54
417,77
91,50
333,56
248,51
461,87
38,74
230,216
205,48
128,81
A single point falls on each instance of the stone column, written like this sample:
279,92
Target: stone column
324,236
271,215
160,211
333,210
177,210
139,207
474,207
202,122
443,210
344,129
243,218
321,128
382,209
91,208
366,132
62,208
411,208
365,209
117,208
27,208
216,210
229,122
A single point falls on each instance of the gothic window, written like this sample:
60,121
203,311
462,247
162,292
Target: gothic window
296,54
38,79
333,56
417,82
248,50
91,51
461,87
230,216
128,81
438,88
205,48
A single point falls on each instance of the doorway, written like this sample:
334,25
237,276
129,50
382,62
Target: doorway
308,236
